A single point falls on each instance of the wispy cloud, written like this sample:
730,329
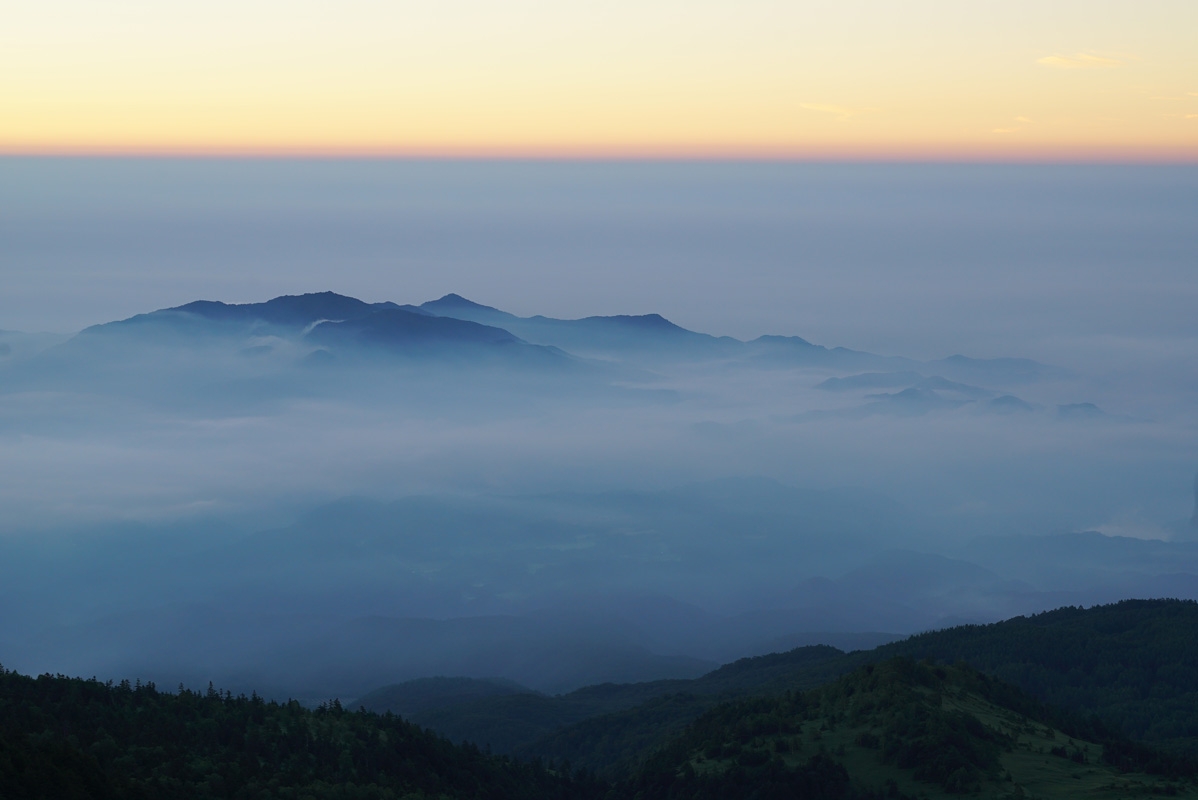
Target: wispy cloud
841,112
1079,61
1022,122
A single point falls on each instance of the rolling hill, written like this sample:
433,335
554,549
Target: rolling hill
1130,663
902,728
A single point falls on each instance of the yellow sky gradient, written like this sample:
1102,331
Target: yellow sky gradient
1067,79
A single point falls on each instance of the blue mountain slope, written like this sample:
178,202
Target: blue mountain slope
630,336
793,351
455,326
297,310
343,325
397,327
399,332
621,335
204,320
651,335
458,307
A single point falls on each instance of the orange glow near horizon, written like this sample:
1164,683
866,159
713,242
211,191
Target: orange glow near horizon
599,153
1065,80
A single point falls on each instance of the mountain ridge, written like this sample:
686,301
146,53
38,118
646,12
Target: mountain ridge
1123,662
644,339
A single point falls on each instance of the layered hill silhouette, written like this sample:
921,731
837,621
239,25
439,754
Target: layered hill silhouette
813,722
330,319
332,322
621,335
1128,663
288,342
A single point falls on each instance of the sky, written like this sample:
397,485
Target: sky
924,79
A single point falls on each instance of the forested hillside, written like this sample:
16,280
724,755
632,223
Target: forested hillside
1133,664
903,729
1074,701
67,738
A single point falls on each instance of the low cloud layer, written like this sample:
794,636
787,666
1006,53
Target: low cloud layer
1080,61
320,494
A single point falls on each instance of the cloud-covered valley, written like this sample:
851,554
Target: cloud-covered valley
317,495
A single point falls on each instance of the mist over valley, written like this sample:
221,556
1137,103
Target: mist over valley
315,496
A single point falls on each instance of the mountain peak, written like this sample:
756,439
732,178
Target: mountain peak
288,309
641,321
452,300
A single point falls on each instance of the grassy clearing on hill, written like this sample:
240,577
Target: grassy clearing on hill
896,729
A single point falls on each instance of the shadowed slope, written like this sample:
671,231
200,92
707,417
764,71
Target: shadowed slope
902,729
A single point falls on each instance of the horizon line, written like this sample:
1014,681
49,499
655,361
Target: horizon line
1076,155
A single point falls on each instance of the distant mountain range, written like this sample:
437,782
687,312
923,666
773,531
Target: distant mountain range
327,329
340,323
290,341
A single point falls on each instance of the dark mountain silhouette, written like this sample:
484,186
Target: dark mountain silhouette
653,335
1008,404
639,341
1125,662
895,728
337,325
396,327
811,723
600,335
517,722
298,310
214,317
450,303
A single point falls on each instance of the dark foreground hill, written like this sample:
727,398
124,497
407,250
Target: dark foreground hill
596,726
899,728
903,729
1134,664
65,738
